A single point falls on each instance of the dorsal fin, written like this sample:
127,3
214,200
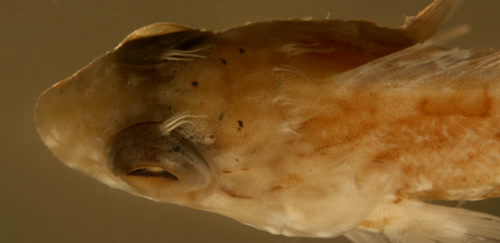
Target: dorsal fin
428,21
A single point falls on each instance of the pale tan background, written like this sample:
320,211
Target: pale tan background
44,41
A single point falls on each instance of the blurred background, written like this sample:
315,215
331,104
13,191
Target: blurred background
45,41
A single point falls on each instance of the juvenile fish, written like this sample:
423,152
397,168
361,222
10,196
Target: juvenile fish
297,127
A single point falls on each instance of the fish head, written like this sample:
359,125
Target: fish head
208,120
129,91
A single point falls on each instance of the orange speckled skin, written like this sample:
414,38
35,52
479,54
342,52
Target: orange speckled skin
297,127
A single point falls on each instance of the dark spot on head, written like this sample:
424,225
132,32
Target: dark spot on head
241,50
276,188
221,115
398,200
227,171
194,83
223,61
177,148
240,123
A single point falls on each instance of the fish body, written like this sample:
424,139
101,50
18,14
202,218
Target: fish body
297,127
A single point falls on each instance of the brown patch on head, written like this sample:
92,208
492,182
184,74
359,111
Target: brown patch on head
276,188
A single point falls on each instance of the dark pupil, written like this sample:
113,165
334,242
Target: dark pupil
148,173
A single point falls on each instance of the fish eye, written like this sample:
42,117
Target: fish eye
156,164
153,171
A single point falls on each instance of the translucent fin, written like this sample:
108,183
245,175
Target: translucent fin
428,21
156,29
357,236
403,70
418,222
449,35
452,225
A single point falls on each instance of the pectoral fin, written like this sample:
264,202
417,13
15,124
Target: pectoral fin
417,222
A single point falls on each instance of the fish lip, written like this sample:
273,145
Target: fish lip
40,119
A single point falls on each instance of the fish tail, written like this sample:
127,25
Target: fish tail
418,222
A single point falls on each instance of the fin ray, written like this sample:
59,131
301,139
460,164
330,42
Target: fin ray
413,221
428,21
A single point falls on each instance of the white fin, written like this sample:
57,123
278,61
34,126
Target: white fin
358,236
428,21
156,29
449,35
403,69
418,222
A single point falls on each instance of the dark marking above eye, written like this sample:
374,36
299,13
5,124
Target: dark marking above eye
240,123
194,83
223,61
146,172
241,51
276,188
